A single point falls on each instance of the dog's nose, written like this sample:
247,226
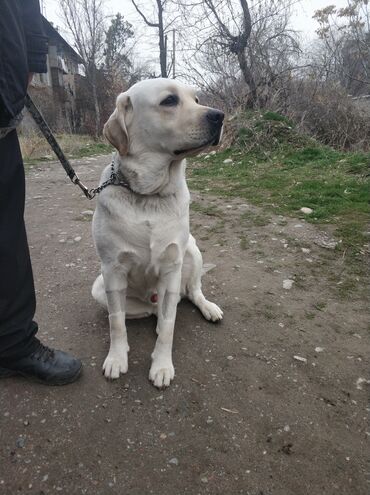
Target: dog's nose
215,117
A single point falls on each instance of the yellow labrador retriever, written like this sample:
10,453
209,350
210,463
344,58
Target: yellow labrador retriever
149,259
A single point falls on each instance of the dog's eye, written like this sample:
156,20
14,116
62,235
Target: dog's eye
170,101
196,99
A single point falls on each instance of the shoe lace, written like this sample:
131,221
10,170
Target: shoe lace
43,353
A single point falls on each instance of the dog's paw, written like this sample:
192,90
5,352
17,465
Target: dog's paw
211,311
115,364
161,374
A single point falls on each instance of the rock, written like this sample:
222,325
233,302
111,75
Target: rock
206,157
306,211
230,358
306,250
288,284
326,243
213,152
228,160
174,461
360,381
319,349
87,213
20,443
77,239
300,359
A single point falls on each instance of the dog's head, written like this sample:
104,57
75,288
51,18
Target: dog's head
162,116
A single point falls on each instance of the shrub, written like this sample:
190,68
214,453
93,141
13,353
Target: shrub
331,116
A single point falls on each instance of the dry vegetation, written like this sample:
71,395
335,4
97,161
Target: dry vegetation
35,147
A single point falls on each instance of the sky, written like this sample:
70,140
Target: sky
302,20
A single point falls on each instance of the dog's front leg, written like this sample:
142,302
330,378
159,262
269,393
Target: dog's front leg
116,361
162,370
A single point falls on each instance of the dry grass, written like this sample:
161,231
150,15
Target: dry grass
35,147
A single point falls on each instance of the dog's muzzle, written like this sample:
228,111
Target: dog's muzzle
214,120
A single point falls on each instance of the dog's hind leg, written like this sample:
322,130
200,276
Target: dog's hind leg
135,308
192,269
98,291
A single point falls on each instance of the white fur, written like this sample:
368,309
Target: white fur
143,239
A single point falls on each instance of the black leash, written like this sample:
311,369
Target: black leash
45,129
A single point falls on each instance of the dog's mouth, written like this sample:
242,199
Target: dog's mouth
214,141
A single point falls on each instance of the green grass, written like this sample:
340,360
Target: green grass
254,219
91,149
290,172
209,210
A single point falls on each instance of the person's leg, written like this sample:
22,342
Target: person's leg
20,351
17,293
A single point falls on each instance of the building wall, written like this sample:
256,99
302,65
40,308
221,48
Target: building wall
55,91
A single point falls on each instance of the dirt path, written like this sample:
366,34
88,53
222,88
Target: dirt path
243,416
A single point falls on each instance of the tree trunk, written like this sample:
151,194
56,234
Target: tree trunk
92,71
248,78
162,41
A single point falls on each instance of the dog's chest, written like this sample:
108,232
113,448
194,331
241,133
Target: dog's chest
144,229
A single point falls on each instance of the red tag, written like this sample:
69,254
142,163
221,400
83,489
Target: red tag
154,298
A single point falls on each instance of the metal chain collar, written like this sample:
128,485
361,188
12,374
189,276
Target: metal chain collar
113,180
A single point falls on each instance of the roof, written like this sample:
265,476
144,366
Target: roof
53,33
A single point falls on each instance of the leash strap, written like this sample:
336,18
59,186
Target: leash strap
45,129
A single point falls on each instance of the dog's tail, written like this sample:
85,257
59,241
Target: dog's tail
98,291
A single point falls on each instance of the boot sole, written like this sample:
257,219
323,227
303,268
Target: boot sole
7,373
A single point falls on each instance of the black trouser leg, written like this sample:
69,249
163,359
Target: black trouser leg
17,293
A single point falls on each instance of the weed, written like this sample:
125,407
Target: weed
256,219
309,315
244,244
320,305
207,209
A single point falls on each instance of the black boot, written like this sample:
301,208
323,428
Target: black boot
45,365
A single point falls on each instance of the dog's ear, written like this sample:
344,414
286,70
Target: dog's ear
115,129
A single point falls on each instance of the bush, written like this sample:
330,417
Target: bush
330,115
257,132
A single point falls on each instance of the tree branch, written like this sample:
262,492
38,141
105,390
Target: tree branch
151,24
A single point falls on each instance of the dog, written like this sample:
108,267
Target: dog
149,259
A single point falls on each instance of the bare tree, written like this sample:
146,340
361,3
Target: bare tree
345,54
237,43
162,36
251,37
85,21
